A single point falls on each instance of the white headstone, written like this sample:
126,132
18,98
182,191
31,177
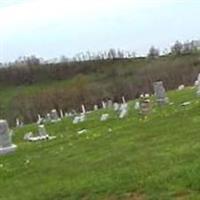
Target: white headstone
39,119
95,107
104,117
116,106
61,114
181,87
123,113
17,123
123,100
83,109
137,105
103,105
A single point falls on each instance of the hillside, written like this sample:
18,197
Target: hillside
28,90
130,158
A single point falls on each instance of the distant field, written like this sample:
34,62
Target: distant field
131,158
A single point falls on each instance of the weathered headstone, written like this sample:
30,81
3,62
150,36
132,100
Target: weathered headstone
83,109
39,121
123,110
116,106
104,117
145,105
123,100
198,85
78,119
181,87
54,116
41,135
17,123
137,105
109,103
160,93
61,114
42,130
95,107
6,145
48,117
103,105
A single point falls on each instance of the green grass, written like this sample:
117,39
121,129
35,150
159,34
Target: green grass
131,158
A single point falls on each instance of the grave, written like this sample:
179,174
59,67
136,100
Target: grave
198,85
95,107
116,106
61,114
109,103
41,135
123,110
83,109
103,105
54,116
6,145
181,87
137,105
104,117
145,105
160,93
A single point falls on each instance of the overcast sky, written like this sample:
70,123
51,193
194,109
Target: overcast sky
50,28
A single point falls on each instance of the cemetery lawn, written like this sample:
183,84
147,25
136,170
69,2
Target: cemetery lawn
131,158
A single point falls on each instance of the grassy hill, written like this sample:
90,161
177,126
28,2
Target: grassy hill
130,158
29,90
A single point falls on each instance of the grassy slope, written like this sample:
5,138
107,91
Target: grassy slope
157,158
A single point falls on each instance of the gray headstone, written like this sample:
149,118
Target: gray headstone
110,103
160,93
54,115
95,107
6,145
42,131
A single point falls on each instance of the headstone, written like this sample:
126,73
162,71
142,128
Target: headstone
17,123
82,117
61,114
160,93
123,113
104,117
39,121
145,105
103,105
41,135
95,107
83,109
123,100
181,87
42,131
137,105
6,145
116,106
48,117
109,103
123,110
78,119
198,85
54,116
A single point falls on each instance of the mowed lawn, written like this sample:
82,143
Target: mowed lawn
131,158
